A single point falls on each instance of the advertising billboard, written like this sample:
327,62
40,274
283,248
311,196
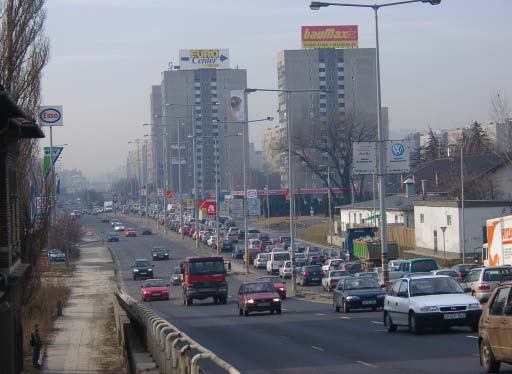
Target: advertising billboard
191,59
398,157
237,105
50,115
345,36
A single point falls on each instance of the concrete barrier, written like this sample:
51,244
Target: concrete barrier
172,351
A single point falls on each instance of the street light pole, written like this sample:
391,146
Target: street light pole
462,203
329,202
316,5
443,229
179,182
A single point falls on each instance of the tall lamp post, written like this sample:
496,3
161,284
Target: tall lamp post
138,141
245,211
290,169
316,5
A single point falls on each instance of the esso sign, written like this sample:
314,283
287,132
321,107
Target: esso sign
50,115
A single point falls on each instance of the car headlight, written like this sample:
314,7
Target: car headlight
474,306
150,269
350,298
250,301
281,288
429,309
136,270
276,299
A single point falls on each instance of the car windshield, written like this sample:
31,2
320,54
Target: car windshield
338,273
312,268
263,256
159,250
281,256
335,262
141,264
360,283
421,266
259,287
497,275
434,286
226,242
206,267
155,283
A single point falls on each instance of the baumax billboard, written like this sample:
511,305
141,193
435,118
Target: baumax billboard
345,36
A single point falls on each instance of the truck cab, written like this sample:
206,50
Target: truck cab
204,277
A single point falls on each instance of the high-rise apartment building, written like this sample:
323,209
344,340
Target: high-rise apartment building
197,104
347,78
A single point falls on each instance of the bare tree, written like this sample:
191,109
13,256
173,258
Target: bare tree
330,145
501,108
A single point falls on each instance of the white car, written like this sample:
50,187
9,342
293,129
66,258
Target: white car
211,240
260,261
119,227
285,271
113,222
332,264
332,278
424,301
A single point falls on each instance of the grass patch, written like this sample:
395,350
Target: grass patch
315,233
59,269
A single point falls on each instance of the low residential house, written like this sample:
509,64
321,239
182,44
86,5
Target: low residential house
432,217
14,126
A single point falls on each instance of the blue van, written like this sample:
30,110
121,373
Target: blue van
418,265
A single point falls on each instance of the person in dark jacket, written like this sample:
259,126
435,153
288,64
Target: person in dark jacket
35,342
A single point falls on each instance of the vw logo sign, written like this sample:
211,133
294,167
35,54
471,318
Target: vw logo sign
398,149
50,115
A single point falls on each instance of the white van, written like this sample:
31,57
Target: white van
276,260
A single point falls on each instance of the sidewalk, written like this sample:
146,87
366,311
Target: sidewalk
83,339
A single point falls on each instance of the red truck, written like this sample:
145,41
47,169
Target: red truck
204,277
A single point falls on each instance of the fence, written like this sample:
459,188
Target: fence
173,351
404,236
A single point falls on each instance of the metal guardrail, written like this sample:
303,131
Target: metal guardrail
173,351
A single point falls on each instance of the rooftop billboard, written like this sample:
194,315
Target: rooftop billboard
204,58
345,36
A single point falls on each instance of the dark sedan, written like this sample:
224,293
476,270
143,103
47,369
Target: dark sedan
142,268
226,245
146,231
357,293
311,274
112,237
238,253
160,253
258,297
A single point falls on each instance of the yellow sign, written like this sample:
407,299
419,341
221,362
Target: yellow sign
189,201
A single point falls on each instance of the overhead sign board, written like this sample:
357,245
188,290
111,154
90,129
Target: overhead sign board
50,115
252,194
253,207
397,157
204,58
211,208
345,36
364,158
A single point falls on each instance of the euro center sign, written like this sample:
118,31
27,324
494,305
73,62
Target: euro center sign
204,58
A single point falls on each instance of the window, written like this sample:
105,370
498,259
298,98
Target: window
341,96
422,218
402,292
322,78
341,78
322,70
341,87
498,304
449,220
341,69
395,288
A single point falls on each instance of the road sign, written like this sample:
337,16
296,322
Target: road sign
287,194
252,194
50,115
364,156
169,194
202,203
160,192
56,151
211,208
253,207
189,201
397,157
114,198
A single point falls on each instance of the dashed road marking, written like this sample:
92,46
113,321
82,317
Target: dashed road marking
345,318
284,337
319,314
366,364
380,330
377,322
318,348
472,336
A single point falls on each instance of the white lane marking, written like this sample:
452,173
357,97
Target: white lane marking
284,309
230,296
377,322
317,348
284,337
319,314
471,336
366,364
380,330
345,318
260,330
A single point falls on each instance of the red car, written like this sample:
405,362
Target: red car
104,219
154,289
130,232
278,284
258,297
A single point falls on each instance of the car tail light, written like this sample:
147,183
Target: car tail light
305,274
484,287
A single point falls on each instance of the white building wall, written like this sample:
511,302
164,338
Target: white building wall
357,216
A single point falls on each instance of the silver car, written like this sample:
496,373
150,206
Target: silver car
483,281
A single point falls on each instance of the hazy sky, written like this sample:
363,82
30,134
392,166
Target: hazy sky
440,64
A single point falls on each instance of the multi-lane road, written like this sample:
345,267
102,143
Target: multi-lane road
308,337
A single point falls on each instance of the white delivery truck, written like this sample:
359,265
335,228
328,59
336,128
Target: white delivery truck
499,241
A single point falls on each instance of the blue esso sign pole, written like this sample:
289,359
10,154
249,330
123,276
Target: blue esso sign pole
50,116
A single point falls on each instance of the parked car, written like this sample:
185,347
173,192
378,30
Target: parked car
463,269
146,231
112,237
332,278
495,329
357,293
238,253
154,289
260,261
278,283
429,301
311,274
54,255
176,276
482,281
285,271
130,233
258,297
142,268
160,253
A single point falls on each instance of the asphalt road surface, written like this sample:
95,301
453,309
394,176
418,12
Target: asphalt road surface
308,337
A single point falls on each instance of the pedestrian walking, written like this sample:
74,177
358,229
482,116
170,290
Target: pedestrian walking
35,343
